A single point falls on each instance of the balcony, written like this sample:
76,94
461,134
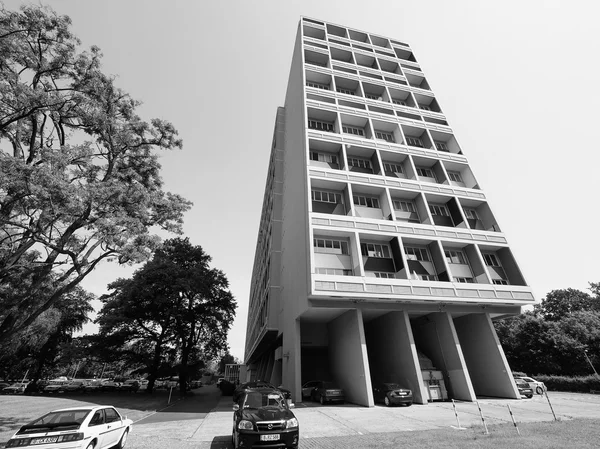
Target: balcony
316,58
478,215
325,154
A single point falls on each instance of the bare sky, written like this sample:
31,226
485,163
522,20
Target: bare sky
518,81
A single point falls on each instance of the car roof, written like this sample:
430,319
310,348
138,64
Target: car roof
97,407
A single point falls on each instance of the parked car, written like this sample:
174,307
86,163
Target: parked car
92,386
53,386
3,385
16,388
143,385
524,388
392,394
109,385
79,427
537,386
129,385
72,387
323,391
262,416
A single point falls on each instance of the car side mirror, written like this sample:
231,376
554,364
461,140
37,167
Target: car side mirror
236,407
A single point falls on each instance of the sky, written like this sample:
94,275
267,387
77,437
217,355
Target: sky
517,80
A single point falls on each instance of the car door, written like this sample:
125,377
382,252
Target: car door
98,428
114,427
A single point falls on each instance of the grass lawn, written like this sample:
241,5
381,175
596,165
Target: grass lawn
577,433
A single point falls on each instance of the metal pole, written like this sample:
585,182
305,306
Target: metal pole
76,369
482,418
102,374
25,376
513,418
170,391
456,414
553,414
589,361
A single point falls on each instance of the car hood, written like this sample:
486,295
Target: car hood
267,414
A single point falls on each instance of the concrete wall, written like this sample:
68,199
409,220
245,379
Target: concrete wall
348,357
393,354
483,354
436,337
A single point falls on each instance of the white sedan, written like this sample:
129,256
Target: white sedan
536,385
75,428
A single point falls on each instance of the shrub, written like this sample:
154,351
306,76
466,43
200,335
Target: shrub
576,384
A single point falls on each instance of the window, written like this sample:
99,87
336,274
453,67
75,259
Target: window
353,130
414,141
400,102
373,96
359,163
323,157
334,271
464,280
321,126
424,107
439,209
426,277
384,275
491,260
500,282
367,201
317,85
345,91
375,250
471,214
111,415
406,206
326,197
416,253
441,146
330,246
384,135
97,419
392,168
425,172
454,176
455,256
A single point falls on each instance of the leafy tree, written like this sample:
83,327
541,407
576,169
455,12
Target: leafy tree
79,173
560,303
174,301
227,359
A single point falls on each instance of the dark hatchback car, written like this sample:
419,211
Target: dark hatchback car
392,394
524,388
323,391
262,418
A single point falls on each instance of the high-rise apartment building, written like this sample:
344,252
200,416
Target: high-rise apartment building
378,255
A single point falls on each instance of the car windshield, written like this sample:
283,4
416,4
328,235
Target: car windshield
256,399
71,419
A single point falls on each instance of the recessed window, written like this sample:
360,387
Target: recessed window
334,271
455,256
406,206
439,209
387,136
416,253
441,146
323,157
375,250
400,102
353,130
500,282
384,275
471,214
426,277
326,197
425,172
464,280
414,141
454,176
345,91
321,126
317,85
330,246
367,201
373,97
389,167
491,260
424,107
359,163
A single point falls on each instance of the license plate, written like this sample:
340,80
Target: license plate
269,437
44,440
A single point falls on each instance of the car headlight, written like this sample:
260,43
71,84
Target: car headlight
245,425
290,423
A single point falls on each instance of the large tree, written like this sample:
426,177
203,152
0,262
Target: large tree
559,304
79,172
175,300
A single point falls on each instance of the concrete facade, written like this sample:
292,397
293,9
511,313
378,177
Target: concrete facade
378,256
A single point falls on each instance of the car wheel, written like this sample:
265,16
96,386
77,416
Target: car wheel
322,400
539,390
123,440
92,445
529,396
386,401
